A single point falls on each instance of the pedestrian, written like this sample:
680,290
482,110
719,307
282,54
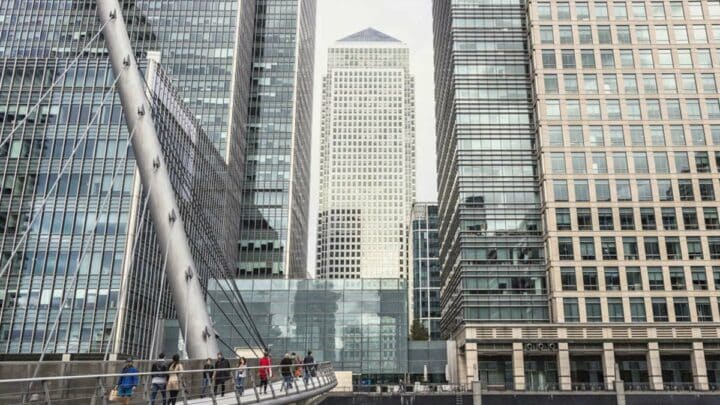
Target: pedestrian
298,364
127,382
174,384
207,377
265,371
309,363
222,373
286,371
159,379
240,376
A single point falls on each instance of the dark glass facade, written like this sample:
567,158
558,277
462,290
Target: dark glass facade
359,325
426,267
274,214
77,231
491,245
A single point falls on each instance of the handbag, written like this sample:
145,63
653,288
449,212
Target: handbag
113,396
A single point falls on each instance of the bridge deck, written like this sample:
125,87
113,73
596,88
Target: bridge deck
274,395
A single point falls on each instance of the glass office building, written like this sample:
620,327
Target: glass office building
38,41
359,325
620,115
426,267
275,197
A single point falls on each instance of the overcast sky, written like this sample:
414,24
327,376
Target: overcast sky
409,21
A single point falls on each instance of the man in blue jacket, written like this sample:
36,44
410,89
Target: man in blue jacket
127,382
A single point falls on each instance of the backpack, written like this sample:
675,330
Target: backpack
159,368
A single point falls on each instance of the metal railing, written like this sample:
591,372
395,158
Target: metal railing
280,385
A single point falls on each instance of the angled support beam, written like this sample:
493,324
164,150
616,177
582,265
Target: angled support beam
182,277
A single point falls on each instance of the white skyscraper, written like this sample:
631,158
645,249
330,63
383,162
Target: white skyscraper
367,159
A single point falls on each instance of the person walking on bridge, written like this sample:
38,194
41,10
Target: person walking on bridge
174,384
207,377
265,371
286,370
309,363
240,375
222,373
127,382
159,379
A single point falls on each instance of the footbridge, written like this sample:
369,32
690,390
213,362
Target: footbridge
59,385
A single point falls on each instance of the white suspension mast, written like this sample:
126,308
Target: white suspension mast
182,276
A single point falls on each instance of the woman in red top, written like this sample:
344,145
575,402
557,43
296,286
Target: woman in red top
265,372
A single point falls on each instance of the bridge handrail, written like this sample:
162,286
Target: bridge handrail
151,373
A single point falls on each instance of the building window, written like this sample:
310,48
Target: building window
682,309
605,219
630,248
565,248
562,219
652,248
672,247
690,218
627,220
593,310
587,249
634,278
637,310
711,218
590,279
609,250
707,191
647,219
584,219
677,278
568,279
699,279
561,190
714,246
669,220
615,310
655,279
703,309
570,308
612,279
660,312
686,190
694,248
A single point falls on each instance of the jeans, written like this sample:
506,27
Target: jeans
240,385
206,383
287,382
153,394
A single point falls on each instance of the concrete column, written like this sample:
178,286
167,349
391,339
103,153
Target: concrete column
461,369
518,363
471,362
564,367
654,367
697,359
608,361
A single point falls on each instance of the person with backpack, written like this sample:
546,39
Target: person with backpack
309,362
159,379
265,371
174,384
127,382
222,373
